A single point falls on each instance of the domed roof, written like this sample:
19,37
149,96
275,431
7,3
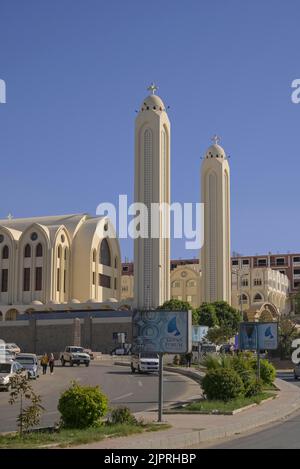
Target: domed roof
215,151
153,102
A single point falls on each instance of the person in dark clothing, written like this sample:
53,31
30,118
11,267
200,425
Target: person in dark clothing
51,363
189,357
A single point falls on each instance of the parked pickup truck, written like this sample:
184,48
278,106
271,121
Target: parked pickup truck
74,356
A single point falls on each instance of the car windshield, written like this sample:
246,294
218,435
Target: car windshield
5,367
25,360
76,349
149,355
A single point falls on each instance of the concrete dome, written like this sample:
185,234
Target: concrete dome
36,302
153,102
215,151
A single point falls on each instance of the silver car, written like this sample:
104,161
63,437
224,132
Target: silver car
29,362
297,371
8,370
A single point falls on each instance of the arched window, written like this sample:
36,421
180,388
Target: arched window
257,298
59,252
116,262
105,257
176,284
191,283
39,250
5,252
65,254
94,255
27,251
243,299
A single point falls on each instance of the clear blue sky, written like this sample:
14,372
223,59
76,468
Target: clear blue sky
76,70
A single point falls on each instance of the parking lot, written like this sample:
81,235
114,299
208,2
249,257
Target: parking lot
138,391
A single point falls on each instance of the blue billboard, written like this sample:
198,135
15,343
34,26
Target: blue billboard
162,331
258,336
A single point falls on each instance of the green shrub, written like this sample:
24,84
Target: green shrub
213,361
267,371
122,415
82,406
222,384
243,365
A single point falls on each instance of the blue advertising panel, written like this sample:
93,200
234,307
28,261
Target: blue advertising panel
162,331
198,333
258,336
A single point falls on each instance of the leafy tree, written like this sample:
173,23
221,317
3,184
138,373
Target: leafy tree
297,302
287,333
207,315
179,305
220,335
227,316
176,305
29,416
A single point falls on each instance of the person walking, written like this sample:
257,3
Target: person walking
44,363
51,363
189,357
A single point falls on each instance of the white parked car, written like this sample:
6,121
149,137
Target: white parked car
7,371
145,362
14,348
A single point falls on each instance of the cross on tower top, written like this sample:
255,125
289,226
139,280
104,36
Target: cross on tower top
152,88
216,139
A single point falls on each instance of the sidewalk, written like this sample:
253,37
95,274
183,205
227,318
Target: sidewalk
191,430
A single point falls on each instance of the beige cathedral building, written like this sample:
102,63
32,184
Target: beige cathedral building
57,262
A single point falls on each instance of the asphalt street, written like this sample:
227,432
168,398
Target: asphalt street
285,435
137,391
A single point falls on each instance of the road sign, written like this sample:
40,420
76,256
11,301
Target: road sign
162,331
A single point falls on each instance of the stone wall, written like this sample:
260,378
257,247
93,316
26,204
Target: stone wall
53,335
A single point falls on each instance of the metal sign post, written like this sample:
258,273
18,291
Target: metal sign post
160,388
258,355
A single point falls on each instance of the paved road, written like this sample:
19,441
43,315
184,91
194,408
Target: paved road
285,435
138,391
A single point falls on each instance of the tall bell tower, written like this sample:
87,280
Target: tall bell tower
215,253
152,186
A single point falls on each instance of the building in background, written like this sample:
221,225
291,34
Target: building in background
152,186
215,252
252,286
288,264
261,283
57,262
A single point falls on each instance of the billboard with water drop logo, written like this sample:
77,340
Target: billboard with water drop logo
162,331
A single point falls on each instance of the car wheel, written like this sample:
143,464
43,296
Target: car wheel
71,363
77,364
132,369
139,370
63,362
87,364
295,376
